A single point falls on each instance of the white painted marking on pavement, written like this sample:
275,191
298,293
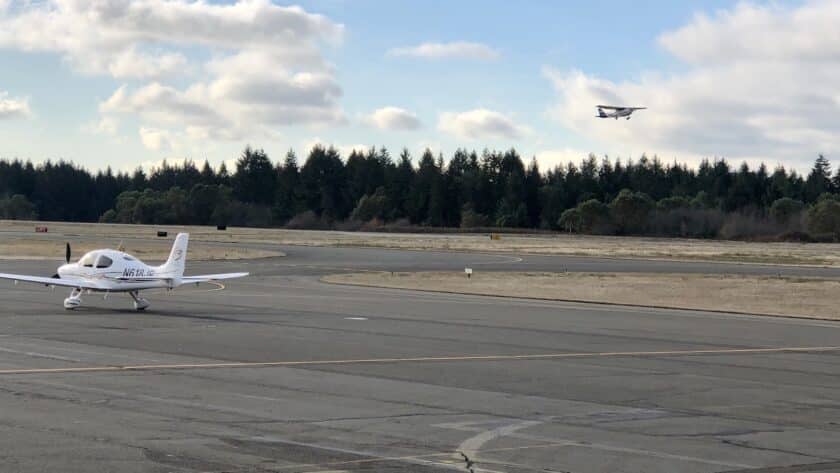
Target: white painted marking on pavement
422,359
472,445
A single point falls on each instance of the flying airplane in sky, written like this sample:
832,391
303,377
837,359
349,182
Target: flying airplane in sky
616,111
115,271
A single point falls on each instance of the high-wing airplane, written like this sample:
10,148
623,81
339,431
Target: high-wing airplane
115,271
617,112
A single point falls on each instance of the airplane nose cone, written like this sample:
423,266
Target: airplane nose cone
63,269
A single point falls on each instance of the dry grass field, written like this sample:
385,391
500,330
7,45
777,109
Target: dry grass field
797,297
823,254
26,248
18,240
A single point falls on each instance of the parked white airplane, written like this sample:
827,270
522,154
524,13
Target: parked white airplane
616,111
115,271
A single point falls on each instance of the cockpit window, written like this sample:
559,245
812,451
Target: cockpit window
87,260
103,262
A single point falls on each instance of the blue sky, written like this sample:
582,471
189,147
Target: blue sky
124,85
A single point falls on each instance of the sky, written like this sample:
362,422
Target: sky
121,84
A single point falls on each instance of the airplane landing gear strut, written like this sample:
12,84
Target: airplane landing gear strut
75,299
139,302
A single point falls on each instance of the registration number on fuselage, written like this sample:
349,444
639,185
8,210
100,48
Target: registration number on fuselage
138,273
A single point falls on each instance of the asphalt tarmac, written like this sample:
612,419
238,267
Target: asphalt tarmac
281,373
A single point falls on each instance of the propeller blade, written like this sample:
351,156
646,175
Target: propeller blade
67,253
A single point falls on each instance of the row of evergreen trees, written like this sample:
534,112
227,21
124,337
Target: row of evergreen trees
470,190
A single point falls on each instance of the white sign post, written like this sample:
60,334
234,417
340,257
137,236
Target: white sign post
468,272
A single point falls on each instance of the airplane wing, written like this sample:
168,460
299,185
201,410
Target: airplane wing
612,107
211,277
186,279
78,283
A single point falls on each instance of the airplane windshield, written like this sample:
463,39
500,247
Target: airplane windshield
87,260
103,262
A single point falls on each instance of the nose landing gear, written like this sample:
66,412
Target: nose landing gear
139,302
75,299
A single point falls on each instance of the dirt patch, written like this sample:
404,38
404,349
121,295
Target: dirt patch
821,254
767,295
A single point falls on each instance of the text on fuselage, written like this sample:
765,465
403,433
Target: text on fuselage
138,273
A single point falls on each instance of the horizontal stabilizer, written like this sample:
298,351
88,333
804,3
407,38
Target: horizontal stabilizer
212,277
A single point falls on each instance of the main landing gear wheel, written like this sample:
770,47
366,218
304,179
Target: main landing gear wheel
139,302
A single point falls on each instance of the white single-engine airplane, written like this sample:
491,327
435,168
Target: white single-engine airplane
617,112
115,271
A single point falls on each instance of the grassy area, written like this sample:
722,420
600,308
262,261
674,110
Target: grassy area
29,248
16,244
824,254
780,296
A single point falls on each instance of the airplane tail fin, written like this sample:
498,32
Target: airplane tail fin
601,113
178,256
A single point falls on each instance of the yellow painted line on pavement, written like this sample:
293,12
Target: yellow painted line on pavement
419,359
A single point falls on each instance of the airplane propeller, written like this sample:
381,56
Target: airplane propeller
66,259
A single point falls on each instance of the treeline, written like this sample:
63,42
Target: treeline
374,190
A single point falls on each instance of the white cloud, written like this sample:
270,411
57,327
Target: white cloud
105,126
162,103
761,83
131,64
13,107
456,49
94,35
759,33
235,105
481,124
551,158
266,69
156,139
393,118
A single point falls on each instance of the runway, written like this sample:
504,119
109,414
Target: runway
281,373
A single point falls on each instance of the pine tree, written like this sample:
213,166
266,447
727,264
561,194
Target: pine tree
208,176
533,182
288,196
819,180
255,177
400,191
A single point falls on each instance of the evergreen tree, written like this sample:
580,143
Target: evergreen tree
223,176
471,189
533,182
819,180
255,177
288,200
208,176
400,188
324,184
421,190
